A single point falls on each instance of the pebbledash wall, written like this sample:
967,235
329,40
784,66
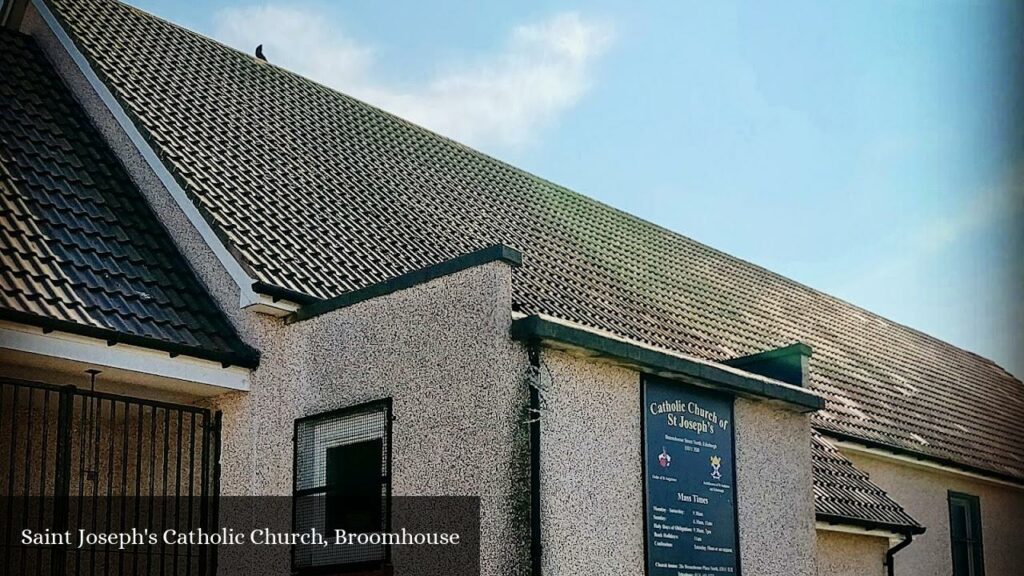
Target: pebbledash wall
591,477
923,493
843,554
441,351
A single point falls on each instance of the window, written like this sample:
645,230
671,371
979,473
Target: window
343,482
965,534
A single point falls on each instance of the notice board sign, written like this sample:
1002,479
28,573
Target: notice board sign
689,481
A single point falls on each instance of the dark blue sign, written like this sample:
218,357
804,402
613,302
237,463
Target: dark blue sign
688,475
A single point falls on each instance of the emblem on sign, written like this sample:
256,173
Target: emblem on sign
716,465
664,459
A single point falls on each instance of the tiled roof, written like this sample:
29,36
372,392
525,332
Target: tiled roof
844,494
320,194
80,250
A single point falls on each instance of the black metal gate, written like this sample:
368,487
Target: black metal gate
73,459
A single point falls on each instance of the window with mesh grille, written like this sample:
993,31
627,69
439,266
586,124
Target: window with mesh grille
965,534
343,482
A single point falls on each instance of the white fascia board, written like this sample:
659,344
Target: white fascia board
96,352
267,305
921,462
892,537
247,296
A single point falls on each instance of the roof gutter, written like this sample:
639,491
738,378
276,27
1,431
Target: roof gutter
868,525
248,296
558,333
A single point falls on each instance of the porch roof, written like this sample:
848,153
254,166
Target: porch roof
80,249
843,494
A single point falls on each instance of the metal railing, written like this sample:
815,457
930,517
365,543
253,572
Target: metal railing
74,460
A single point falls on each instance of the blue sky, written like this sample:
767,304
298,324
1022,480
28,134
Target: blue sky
869,150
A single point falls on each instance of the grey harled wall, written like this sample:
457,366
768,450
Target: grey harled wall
841,554
592,504
591,500
441,350
923,493
774,488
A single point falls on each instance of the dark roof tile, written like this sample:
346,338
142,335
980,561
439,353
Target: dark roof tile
844,494
78,243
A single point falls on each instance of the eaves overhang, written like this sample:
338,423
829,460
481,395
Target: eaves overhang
845,525
561,334
249,358
29,348
901,529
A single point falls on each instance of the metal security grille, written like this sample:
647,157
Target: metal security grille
343,482
75,459
965,534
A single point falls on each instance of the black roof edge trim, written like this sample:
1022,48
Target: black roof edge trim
250,358
1002,476
494,253
279,293
536,328
794,348
904,529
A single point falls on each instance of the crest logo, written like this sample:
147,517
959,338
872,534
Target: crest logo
664,459
716,465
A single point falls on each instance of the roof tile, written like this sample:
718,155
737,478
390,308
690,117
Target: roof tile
842,492
319,193
78,243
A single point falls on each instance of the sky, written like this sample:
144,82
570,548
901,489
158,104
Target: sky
870,150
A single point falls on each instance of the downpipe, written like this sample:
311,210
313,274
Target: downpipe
890,554
536,549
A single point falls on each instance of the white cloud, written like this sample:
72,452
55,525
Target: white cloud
542,70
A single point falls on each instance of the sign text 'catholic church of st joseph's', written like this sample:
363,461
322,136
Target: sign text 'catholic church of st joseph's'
689,485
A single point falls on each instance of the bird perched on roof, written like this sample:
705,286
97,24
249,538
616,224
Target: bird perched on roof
259,53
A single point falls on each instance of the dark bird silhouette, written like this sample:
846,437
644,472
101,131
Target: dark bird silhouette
259,53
